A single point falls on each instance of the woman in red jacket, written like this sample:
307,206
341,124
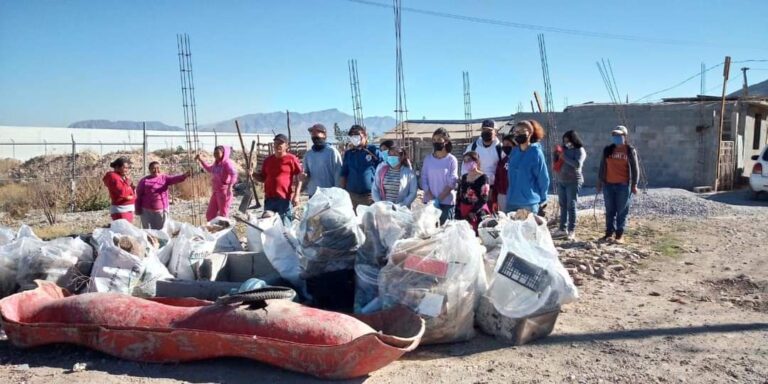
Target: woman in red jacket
121,189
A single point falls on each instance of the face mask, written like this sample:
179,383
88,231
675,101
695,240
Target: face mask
393,161
521,139
507,150
618,140
438,146
468,166
486,135
355,140
319,141
568,145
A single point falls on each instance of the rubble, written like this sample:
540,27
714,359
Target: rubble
600,261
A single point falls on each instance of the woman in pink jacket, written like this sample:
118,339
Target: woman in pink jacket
152,196
223,177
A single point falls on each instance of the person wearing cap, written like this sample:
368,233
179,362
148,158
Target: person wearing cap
282,184
121,189
528,173
489,149
359,167
321,164
223,177
617,179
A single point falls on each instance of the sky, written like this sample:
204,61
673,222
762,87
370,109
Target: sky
62,61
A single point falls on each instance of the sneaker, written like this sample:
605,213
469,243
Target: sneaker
608,237
619,239
559,234
572,235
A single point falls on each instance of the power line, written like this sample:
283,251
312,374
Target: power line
533,27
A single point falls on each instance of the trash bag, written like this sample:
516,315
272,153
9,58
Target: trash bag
441,278
528,276
191,247
489,231
6,235
329,234
426,218
222,229
54,261
256,237
162,242
283,252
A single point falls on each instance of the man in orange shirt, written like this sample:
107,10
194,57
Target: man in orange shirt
618,179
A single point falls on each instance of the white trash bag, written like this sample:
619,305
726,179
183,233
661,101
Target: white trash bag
528,277
56,261
222,229
191,247
283,252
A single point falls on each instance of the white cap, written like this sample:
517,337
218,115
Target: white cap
619,130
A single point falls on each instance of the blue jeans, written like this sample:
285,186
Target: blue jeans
568,194
448,213
534,208
282,207
617,198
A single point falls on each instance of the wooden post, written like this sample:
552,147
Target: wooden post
538,101
288,123
726,69
249,172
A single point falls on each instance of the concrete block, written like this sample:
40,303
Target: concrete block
204,290
241,266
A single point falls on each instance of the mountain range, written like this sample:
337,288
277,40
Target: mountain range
260,123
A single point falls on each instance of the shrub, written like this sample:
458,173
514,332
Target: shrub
91,195
15,199
198,185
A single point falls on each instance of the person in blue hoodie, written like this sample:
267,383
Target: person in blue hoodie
527,171
359,166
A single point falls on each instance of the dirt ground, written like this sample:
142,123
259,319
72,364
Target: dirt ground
696,310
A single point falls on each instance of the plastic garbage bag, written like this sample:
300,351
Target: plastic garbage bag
441,278
10,254
528,276
54,260
254,236
6,235
222,229
283,252
426,218
489,231
162,242
329,234
191,247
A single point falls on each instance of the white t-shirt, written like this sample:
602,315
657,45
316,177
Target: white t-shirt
489,157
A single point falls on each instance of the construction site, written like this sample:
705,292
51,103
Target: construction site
389,291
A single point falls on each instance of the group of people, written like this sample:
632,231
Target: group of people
496,175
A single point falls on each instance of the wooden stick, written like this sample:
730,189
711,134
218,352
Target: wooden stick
249,174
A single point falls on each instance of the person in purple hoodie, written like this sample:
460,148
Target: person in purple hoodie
440,175
223,177
152,196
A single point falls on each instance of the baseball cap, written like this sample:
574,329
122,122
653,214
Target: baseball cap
281,137
356,130
488,124
318,127
619,130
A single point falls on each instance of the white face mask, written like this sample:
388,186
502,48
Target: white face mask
355,140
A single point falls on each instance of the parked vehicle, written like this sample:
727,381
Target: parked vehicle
758,179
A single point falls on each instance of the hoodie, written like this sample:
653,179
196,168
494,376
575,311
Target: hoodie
223,172
120,189
528,176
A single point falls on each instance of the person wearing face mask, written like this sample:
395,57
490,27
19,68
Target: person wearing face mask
223,177
359,166
440,175
618,177
152,196
321,164
395,180
121,189
474,191
501,180
569,181
282,184
528,174
488,148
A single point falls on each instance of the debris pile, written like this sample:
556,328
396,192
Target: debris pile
602,261
667,202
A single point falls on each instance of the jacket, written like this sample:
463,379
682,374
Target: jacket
408,185
152,192
528,176
120,189
634,170
223,173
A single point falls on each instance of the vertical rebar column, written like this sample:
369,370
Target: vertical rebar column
72,178
144,146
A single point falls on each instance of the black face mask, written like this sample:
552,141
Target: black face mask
319,141
486,136
507,150
438,146
521,139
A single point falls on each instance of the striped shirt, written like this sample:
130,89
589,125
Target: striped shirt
392,184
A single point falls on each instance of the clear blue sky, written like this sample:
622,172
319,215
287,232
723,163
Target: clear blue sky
63,61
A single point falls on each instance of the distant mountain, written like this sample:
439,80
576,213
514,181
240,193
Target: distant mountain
759,89
267,122
123,124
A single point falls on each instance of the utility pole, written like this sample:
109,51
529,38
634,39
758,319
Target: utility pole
726,70
745,91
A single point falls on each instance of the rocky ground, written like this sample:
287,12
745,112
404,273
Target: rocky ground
685,300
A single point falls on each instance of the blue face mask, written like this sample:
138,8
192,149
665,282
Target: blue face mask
618,140
393,161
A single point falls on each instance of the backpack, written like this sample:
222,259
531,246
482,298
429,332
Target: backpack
498,148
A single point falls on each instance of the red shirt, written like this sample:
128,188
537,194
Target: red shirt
501,182
278,173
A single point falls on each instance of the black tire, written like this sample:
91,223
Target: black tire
257,295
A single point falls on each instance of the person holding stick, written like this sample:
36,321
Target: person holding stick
223,177
282,185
